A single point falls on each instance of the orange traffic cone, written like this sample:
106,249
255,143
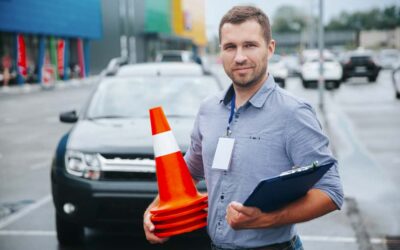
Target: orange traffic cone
181,206
175,184
179,212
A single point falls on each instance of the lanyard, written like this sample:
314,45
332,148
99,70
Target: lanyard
228,129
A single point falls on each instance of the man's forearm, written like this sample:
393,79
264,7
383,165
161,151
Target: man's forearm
314,204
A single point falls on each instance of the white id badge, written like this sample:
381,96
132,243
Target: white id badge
223,154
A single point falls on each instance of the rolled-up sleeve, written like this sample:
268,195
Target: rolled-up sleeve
306,143
193,156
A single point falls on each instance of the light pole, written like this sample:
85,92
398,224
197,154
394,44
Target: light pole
321,80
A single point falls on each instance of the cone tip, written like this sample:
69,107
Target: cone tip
158,121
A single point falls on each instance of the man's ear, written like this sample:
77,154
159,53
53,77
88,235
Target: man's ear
271,48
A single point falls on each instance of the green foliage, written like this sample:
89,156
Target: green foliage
382,19
288,19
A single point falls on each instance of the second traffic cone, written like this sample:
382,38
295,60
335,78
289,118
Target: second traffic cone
175,185
179,213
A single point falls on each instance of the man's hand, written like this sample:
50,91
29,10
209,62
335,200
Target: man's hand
149,230
314,204
242,217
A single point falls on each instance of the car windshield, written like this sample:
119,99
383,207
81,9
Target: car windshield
171,58
127,97
360,58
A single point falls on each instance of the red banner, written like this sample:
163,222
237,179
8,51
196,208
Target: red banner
21,59
60,56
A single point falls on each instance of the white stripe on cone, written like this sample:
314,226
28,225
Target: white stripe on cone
164,144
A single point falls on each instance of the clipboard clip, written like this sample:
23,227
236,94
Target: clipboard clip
313,165
297,169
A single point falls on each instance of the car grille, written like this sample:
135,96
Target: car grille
124,167
127,176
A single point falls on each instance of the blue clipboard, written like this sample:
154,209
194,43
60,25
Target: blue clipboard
273,193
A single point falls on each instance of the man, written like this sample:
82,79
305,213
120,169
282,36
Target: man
6,61
272,131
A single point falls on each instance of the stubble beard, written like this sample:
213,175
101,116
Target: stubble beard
243,84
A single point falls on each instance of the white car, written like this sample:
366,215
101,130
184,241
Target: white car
389,58
309,71
278,69
177,56
396,81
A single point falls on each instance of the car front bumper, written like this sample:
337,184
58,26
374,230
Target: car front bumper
100,203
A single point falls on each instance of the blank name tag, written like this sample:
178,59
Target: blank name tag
223,154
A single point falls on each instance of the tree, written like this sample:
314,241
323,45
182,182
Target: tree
388,18
288,19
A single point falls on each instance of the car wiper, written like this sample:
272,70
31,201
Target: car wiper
107,117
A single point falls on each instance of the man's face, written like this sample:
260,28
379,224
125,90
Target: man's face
245,53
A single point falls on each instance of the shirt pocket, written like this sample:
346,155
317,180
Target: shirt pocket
260,155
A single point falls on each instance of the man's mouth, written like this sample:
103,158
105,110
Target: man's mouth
242,69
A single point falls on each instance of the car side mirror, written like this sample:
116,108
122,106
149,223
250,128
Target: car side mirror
69,117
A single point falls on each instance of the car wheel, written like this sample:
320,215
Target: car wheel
68,233
337,84
397,95
282,84
372,78
305,84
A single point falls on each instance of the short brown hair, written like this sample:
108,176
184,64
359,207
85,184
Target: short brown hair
241,14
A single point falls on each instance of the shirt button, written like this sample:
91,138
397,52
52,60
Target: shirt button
222,197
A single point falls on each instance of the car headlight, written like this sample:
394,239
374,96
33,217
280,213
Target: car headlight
82,164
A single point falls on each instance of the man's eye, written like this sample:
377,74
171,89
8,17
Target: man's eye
249,45
229,47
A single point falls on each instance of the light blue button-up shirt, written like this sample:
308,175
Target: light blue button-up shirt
273,131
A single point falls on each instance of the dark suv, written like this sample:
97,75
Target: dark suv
103,172
359,64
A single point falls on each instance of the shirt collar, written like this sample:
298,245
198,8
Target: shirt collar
258,99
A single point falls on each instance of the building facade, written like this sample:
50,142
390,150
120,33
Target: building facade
48,36
137,29
76,38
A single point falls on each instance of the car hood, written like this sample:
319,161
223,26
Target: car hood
125,136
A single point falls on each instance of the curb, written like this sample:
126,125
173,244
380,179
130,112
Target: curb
36,87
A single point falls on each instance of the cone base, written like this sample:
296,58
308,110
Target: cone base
181,221
182,229
173,206
178,213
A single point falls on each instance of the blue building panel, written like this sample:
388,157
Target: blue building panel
63,18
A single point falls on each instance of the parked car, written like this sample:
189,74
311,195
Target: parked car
360,63
396,81
113,66
309,71
278,69
389,58
177,56
292,63
103,171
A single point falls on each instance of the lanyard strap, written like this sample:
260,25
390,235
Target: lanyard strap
228,129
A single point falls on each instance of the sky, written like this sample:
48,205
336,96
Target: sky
215,9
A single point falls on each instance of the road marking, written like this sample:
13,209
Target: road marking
18,215
306,238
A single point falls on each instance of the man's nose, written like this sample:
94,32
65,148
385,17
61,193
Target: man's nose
240,57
